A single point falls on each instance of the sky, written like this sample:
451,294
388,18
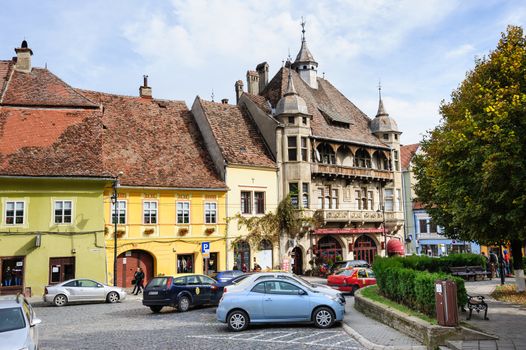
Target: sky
420,51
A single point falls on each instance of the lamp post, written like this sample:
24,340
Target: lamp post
114,199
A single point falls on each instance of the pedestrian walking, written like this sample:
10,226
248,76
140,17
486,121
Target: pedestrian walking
138,277
507,262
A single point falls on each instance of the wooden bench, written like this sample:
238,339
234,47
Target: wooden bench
477,303
470,272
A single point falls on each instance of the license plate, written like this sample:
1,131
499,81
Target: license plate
153,293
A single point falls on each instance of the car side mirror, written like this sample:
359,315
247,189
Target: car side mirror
35,322
302,292
99,286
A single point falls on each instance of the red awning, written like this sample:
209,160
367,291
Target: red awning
394,246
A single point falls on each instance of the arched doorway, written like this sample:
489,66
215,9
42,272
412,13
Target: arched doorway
127,264
365,249
297,266
329,250
242,256
264,258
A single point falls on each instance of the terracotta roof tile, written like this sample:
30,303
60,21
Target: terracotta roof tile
329,99
41,88
5,69
50,142
237,135
406,154
260,101
154,143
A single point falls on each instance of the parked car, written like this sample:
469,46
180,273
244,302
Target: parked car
18,324
351,279
82,290
251,277
343,264
277,300
181,291
225,276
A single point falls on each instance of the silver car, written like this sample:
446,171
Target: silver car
82,290
18,324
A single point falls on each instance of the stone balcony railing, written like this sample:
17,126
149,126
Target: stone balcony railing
343,215
349,172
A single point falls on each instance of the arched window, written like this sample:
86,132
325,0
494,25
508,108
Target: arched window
327,154
380,161
242,256
362,159
265,244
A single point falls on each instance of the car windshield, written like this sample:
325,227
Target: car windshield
344,272
11,319
304,281
239,279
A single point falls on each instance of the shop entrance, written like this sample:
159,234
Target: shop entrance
127,264
297,265
11,274
242,256
61,269
212,264
365,249
329,250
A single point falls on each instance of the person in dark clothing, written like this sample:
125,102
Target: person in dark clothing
139,281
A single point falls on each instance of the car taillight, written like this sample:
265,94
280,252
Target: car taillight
224,291
213,288
169,282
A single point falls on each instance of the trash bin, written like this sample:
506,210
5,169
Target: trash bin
446,303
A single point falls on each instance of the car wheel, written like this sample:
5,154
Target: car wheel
60,300
112,297
184,304
323,317
156,309
237,320
354,289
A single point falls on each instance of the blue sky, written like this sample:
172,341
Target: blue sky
421,50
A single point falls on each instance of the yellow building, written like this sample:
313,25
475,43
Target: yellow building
170,200
248,168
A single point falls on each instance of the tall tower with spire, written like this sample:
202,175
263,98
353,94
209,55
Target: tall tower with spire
305,64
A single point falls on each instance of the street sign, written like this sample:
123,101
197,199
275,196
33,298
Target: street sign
205,247
206,255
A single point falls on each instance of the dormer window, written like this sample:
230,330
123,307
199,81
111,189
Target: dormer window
386,136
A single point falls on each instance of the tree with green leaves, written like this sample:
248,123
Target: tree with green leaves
472,170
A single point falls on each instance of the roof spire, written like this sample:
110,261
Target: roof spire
381,109
290,85
303,29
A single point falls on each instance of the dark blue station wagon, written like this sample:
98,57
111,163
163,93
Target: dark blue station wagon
181,291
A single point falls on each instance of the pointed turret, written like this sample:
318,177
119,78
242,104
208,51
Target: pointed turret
305,64
382,123
291,102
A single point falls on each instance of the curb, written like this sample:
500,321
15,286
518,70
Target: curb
372,346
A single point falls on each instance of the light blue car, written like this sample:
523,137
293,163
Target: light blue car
274,300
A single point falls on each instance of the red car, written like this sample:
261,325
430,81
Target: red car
350,279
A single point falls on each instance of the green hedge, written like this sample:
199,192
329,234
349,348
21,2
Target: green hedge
401,280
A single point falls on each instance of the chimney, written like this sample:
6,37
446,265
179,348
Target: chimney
239,89
145,91
252,82
224,101
262,70
23,58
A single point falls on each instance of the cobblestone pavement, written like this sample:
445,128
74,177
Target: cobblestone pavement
130,325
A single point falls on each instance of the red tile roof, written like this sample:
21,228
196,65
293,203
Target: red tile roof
333,102
237,135
50,142
41,88
5,69
406,154
155,143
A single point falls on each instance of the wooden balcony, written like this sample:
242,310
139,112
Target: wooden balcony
331,170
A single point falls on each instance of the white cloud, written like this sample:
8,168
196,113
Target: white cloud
461,50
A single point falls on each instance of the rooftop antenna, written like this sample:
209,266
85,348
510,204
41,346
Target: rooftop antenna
379,89
212,95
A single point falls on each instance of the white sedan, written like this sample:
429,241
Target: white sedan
82,290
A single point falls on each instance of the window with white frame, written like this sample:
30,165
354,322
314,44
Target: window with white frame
399,200
183,212
320,198
63,212
210,213
370,201
121,213
388,199
14,212
149,212
334,199
246,202
259,202
304,152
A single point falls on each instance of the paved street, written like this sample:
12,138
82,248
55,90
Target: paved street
129,325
